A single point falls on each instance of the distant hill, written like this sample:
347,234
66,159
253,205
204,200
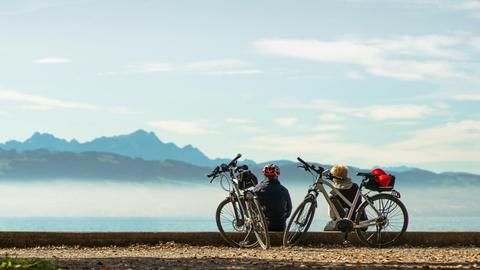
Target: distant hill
42,164
145,145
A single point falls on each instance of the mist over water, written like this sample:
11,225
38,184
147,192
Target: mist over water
130,206
129,199
107,199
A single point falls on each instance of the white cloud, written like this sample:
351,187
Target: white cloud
124,110
292,102
441,105
51,61
339,51
328,127
405,123
376,112
331,117
430,45
212,67
182,127
383,112
43,103
202,65
251,129
107,73
145,67
286,121
466,97
450,142
36,107
403,58
407,76
238,121
253,71
475,43
354,75
291,144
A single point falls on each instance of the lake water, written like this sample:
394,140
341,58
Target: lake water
206,224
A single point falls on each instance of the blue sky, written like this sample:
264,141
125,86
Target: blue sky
358,82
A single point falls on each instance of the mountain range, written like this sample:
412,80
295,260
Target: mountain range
141,157
142,144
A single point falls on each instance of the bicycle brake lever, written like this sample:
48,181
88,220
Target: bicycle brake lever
212,179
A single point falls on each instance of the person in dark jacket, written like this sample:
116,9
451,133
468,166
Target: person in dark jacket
274,198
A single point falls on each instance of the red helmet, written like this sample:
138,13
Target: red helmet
271,169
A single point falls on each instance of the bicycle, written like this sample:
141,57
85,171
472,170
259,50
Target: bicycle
380,220
240,213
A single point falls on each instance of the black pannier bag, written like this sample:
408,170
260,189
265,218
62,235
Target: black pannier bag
372,184
246,179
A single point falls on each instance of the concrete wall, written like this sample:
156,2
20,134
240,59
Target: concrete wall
100,239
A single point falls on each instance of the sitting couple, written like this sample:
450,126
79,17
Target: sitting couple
277,203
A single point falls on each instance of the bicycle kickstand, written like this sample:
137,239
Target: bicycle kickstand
345,241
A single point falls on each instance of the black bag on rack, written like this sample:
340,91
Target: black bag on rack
246,179
372,184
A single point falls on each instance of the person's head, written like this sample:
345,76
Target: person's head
340,170
271,171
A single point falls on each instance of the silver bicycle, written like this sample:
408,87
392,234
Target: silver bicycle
379,221
240,217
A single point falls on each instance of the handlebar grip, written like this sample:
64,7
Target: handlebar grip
210,175
302,161
234,160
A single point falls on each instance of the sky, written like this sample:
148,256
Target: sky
359,82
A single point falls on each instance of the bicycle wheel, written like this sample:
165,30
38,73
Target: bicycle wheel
385,229
299,223
231,223
259,222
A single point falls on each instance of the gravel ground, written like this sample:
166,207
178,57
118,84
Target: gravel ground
178,256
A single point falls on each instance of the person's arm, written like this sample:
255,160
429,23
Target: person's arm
289,204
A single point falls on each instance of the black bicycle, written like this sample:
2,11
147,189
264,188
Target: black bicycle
240,217
380,221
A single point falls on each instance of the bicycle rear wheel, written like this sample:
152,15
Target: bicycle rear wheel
231,223
385,229
299,223
259,222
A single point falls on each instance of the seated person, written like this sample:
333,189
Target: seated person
275,199
347,188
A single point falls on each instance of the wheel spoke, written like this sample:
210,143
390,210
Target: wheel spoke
299,223
386,229
233,226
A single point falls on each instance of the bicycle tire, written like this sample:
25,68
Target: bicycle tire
394,226
234,230
259,222
299,223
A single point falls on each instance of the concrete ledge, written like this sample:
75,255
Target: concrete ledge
101,239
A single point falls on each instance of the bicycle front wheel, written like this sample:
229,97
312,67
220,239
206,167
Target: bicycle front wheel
231,223
383,229
299,223
259,222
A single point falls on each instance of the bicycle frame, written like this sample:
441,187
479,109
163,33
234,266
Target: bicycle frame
388,214
243,217
318,186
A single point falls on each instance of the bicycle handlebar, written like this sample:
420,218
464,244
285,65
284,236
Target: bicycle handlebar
225,168
232,163
307,166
